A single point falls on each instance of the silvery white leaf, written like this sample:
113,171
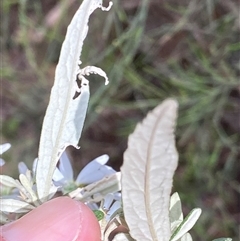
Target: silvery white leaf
14,206
149,164
115,208
176,215
223,239
102,188
8,181
28,186
186,237
95,70
115,229
12,183
29,178
65,115
122,237
186,224
34,166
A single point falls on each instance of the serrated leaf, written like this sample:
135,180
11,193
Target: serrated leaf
147,172
65,115
14,206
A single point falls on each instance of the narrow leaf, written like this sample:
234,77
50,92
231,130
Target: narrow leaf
176,215
8,181
12,183
98,190
186,224
28,186
223,239
15,206
65,115
147,172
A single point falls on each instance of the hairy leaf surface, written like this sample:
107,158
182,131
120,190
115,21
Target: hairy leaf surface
15,206
65,114
98,190
147,172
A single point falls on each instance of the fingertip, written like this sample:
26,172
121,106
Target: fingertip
61,219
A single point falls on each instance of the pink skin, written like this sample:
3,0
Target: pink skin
60,219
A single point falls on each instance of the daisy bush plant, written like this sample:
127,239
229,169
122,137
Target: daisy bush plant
134,204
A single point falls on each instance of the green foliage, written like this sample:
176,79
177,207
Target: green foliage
99,214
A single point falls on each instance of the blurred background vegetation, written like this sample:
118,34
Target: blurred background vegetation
151,50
